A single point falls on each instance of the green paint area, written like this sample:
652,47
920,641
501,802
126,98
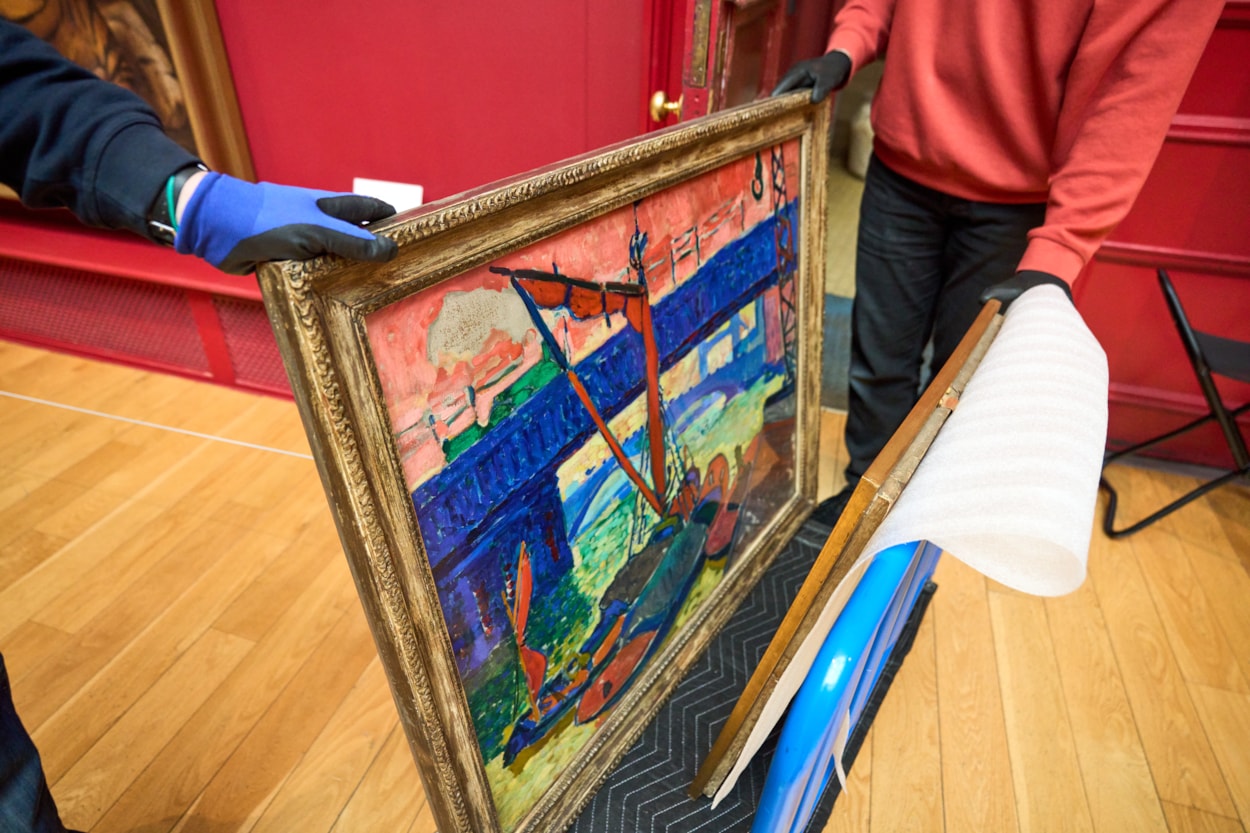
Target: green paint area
560,622
515,790
740,421
496,696
707,582
532,381
602,549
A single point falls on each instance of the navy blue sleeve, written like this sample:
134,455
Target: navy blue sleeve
71,140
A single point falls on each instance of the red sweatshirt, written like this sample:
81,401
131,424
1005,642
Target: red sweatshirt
1057,101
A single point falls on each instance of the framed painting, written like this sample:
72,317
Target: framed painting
168,52
563,433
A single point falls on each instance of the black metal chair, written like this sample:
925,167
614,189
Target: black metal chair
1209,355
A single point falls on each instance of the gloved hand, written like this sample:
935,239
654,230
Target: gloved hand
825,74
1009,290
237,225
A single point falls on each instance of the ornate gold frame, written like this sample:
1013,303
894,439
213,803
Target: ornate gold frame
318,310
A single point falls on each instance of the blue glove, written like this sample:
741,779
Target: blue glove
1021,282
237,225
825,74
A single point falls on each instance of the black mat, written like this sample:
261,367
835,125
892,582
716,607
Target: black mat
646,791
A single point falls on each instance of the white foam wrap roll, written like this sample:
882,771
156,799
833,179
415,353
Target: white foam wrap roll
1010,484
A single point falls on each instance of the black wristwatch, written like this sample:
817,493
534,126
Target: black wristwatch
161,223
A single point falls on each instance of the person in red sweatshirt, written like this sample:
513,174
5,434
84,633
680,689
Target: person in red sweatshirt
1009,140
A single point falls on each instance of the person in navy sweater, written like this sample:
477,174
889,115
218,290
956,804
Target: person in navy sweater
1009,140
71,140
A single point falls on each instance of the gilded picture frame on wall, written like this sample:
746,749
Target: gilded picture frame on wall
562,434
168,52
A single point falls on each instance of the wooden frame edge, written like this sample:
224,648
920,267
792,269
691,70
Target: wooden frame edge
198,51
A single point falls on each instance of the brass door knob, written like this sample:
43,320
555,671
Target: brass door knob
662,107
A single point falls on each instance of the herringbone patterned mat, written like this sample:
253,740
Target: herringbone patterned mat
647,788
646,791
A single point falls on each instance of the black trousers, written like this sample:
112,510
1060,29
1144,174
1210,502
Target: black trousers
923,259
26,805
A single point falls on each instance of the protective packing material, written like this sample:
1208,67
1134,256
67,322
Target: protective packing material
1009,485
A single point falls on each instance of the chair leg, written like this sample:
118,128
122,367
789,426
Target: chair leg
1108,519
1162,438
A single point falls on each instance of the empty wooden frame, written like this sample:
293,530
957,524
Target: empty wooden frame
773,682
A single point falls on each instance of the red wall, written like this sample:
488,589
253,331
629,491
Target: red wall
446,95
451,96
1192,218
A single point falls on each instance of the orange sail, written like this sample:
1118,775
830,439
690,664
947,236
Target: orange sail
584,299
533,663
524,588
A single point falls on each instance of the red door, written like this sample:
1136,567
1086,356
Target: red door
731,51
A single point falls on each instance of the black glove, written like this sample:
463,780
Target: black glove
1019,283
825,74
237,225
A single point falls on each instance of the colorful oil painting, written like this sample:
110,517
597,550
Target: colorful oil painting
562,433
591,429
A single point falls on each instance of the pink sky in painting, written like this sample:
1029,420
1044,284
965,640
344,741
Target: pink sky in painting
472,330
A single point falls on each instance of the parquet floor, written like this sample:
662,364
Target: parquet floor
187,649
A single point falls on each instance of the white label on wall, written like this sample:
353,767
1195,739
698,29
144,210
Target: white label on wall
402,195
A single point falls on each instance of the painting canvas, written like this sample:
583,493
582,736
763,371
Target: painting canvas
599,429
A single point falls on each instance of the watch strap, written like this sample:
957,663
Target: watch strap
162,223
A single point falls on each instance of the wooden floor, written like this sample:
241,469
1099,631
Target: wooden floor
187,649
842,197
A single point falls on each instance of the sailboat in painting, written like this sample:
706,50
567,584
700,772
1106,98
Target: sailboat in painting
698,518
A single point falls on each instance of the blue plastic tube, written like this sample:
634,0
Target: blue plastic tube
925,562
839,682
